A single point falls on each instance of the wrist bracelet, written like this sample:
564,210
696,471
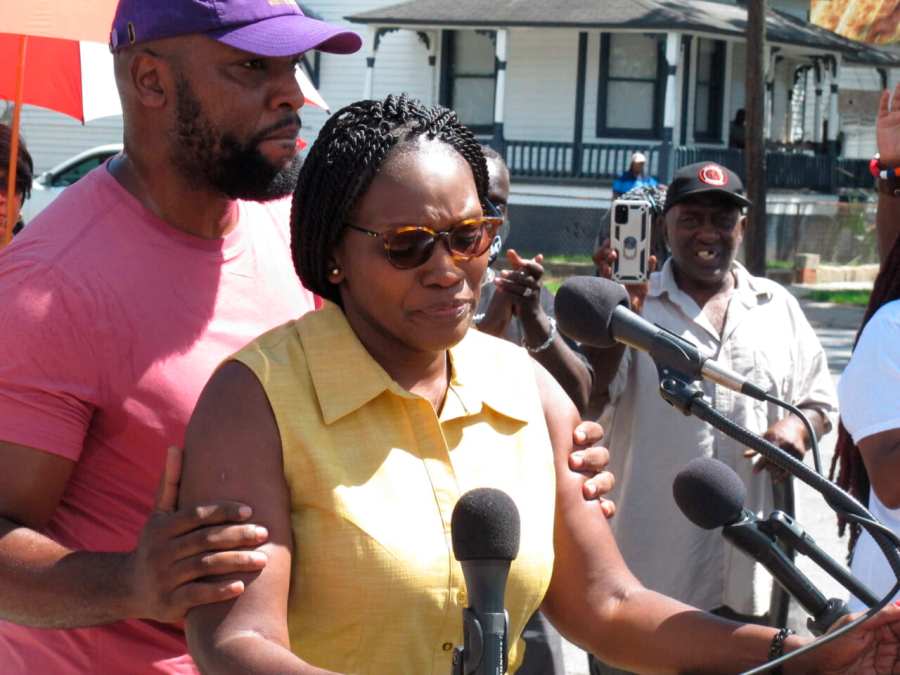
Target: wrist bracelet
878,170
776,649
535,350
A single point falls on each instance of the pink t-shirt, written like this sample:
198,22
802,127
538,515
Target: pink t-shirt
111,324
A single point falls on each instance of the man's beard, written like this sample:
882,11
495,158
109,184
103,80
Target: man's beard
206,157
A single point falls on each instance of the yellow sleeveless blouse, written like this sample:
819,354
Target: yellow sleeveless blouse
374,475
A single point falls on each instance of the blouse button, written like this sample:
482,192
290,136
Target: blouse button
447,646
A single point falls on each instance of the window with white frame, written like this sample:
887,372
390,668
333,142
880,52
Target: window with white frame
469,77
631,85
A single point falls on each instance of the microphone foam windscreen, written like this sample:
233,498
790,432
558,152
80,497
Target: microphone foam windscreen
485,526
709,493
584,308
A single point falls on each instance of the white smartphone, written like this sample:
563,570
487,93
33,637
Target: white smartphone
629,236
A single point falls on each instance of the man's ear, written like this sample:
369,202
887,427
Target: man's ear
150,78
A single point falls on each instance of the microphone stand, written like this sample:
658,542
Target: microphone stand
677,390
478,654
781,526
750,535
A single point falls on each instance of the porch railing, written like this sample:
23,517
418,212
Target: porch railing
549,159
604,161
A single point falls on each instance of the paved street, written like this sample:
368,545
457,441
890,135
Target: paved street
836,327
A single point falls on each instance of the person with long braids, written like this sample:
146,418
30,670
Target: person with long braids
867,452
353,431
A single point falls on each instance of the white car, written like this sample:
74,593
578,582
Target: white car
46,187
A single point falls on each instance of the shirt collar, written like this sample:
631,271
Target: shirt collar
750,289
333,352
346,377
747,287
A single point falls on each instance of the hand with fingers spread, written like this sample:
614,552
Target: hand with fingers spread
887,128
522,284
605,258
167,574
590,459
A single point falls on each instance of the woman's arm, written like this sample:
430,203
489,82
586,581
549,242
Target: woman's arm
881,456
232,447
597,603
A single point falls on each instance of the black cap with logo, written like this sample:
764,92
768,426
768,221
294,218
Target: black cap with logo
705,178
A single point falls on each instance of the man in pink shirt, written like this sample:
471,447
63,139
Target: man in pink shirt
118,302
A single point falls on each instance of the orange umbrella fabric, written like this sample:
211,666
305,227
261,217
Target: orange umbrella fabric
78,20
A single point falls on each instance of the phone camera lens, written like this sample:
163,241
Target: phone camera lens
621,214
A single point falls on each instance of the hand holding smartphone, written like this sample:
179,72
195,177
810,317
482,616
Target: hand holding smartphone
629,234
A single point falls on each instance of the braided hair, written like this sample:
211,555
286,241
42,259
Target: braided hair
350,149
847,462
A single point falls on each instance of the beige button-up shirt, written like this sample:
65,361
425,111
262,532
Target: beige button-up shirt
766,338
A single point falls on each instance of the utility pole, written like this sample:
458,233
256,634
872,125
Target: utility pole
754,144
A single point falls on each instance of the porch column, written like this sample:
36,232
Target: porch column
726,93
432,64
691,92
370,63
672,104
834,122
817,106
580,85
770,94
500,54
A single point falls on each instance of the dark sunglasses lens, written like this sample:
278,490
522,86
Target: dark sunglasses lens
410,248
469,240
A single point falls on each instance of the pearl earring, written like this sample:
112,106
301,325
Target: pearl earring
335,271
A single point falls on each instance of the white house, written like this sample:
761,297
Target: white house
569,88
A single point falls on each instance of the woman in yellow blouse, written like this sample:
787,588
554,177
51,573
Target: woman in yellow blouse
353,431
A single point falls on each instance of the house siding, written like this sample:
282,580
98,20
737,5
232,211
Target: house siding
401,65
53,138
547,112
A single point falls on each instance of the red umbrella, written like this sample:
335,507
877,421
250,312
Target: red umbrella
68,76
45,33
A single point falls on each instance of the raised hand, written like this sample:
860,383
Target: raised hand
522,283
604,260
887,128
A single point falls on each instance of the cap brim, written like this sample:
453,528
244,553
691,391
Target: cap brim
738,199
287,35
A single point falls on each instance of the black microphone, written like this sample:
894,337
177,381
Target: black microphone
595,312
711,495
485,532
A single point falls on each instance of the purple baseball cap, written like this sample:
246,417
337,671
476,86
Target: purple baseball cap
261,27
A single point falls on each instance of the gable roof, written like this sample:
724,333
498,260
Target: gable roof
683,16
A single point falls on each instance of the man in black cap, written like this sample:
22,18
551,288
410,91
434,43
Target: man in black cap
749,324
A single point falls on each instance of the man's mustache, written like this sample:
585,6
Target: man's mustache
289,121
